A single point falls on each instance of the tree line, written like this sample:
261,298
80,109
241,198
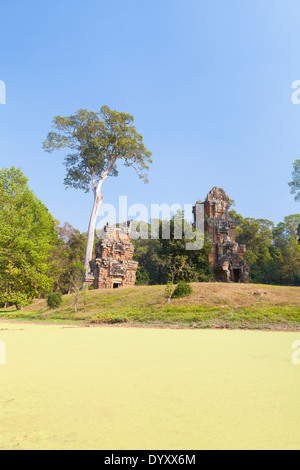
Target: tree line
273,254
38,254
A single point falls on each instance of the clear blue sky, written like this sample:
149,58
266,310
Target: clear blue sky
208,81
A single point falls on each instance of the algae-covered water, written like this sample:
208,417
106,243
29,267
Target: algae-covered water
116,388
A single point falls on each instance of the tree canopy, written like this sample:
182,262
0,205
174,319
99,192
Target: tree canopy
166,259
28,238
98,142
295,183
273,252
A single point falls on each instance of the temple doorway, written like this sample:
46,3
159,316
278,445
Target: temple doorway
236,275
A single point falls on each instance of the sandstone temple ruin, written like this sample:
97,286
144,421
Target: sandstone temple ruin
226,256
113,266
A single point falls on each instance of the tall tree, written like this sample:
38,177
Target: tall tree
27,240
98,142
295,183
289,227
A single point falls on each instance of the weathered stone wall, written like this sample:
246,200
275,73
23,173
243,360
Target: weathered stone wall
226,256
113,266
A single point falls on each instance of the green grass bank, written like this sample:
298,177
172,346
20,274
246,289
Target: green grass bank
212,305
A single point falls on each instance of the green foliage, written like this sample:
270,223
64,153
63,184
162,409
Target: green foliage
183,289
70,248
151,268
273,252
169,290
28,239
182,264
164,259
108,318
75,277
295,183
54,299
97,141
146,305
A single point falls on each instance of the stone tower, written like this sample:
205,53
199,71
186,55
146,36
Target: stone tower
226,256
113,266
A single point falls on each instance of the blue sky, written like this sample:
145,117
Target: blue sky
209,83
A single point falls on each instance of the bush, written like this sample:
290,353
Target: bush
183,289
108,318
54,299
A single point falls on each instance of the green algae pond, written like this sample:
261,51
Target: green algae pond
115,387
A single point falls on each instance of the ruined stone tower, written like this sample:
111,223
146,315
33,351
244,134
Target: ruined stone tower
113,266
226,254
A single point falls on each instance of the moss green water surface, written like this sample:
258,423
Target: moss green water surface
70,387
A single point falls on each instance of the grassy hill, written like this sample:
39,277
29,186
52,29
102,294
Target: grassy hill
212,305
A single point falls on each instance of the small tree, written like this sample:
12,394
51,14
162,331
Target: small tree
176,264
183,289
182,264
75,276
54,299
98,141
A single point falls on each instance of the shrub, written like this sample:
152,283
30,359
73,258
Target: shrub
54,299
108,318
183,289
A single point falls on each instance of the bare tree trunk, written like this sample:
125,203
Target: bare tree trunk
91,235
171,287
92,225
76,302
